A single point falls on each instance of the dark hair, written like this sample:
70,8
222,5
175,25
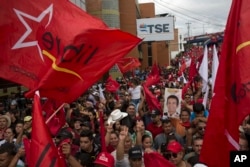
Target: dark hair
198,107
85,159
144,137
196,138
94,114
166,121
85,118
193,160
115,133
186,111
173,97
171,137
20,122
197,78
8,148
90,109
88,134
134,81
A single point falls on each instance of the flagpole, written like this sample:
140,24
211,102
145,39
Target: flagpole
121,73
54,113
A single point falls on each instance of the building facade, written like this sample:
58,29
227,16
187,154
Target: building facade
122,14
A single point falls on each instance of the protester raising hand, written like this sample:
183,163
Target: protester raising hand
66,150
123,133
109,129
121,145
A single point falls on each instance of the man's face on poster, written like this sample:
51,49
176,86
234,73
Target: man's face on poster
172,105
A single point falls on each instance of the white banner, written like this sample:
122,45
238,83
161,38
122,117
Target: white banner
155,29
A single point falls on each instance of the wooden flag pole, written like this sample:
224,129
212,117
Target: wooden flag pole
54,113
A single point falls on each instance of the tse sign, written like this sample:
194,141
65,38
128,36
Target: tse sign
155,29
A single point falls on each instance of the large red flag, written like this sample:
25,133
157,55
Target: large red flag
156,159
154,76
111,85
55,47
128,63
42,149
151,100
184,65
192,70
231,101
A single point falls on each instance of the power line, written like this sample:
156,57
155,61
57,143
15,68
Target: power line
193,18
205,16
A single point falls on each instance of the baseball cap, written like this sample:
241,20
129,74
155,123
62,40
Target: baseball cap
174,147
135,152
87,124
155,112
64,134
105,159
200,165
27,118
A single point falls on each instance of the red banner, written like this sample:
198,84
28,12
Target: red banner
56,47
54,121
42,149
111,85
230,105
153,77
128,63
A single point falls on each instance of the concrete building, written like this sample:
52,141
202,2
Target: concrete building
80,3
123,14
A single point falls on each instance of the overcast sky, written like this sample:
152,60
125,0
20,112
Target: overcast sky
204,16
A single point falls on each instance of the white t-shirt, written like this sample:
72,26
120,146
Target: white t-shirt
135,92
4,141
121,163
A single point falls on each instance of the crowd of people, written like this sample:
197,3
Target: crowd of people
131,128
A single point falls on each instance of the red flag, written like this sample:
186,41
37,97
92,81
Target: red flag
156,159
111,85
184,65
153,77
58,120
192,70
26,144
230,104
151,100
58,53
128,63
42,148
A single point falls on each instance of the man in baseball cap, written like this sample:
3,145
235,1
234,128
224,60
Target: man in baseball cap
135,156
104,159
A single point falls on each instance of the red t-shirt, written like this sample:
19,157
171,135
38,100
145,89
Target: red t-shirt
155,130
110,149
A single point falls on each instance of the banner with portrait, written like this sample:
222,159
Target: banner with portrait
172,104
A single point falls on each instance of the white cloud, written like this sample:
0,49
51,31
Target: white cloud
205,16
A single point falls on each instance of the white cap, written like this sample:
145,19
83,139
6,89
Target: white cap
200,165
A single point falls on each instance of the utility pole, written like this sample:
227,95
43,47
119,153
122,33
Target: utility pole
188,27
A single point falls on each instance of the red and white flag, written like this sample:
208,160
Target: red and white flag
184,65
230,104
57,48
128,63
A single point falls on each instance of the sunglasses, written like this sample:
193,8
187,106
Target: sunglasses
168,155
202,128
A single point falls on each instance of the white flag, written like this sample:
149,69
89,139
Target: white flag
215,65
203,71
